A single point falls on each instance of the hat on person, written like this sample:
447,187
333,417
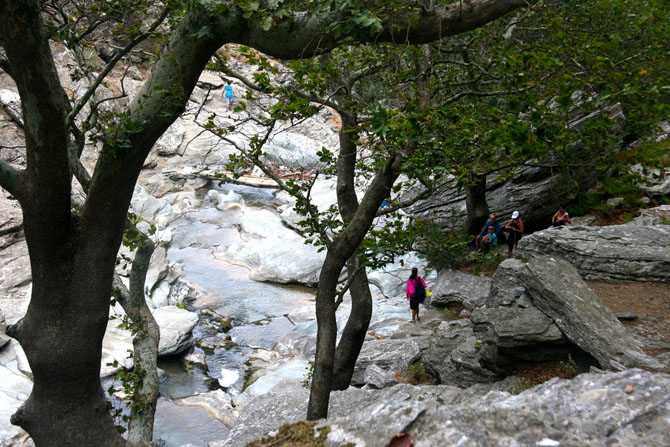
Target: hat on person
515,214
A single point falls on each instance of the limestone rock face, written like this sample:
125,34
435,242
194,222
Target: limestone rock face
589,411
617,252
389,354
454,287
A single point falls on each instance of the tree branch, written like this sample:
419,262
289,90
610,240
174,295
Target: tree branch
8,177
110,65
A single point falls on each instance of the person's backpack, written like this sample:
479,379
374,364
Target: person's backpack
419,291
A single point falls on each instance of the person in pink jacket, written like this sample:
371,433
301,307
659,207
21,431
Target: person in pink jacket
416,293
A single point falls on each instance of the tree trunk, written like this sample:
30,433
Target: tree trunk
477,207
145,345
339,251
354,332
62,334
357,325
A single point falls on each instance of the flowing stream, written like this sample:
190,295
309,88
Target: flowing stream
261,314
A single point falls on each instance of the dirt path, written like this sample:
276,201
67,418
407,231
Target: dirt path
650,302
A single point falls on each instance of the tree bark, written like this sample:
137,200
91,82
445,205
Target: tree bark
357,325
339,251
145,344
475,202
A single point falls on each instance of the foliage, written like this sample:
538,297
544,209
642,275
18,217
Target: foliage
308,375
416,374
131,384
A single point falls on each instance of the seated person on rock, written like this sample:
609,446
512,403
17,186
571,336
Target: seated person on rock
490,240
560,218
515,229
492,222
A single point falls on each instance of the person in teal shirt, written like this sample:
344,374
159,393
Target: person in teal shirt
228,95
490,240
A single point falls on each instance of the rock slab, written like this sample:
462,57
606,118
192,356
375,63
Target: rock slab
629,252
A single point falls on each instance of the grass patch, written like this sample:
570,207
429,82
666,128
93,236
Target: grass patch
416,375
298,434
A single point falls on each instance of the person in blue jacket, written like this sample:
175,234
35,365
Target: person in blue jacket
492,222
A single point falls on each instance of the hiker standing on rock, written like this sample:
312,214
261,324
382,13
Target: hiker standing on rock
416,293
515,229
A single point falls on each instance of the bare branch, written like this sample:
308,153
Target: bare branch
4,65
110,65
350,279
8,177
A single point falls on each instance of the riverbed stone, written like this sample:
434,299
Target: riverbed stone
218,403
263,248
454,287
175,327
15,387
392,355
616,252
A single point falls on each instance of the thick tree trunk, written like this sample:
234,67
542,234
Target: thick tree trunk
62,334
477,207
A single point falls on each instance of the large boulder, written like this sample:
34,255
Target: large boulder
393,355
263,249
453,356
558,291
540,310
617,252
514,327
454,287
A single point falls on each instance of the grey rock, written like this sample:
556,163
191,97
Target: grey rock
464,366
175,326
659,215
654,181
217,403
579,313
506,288
584,220
392,355
623,252
589,411
379,378
4,339
615,201
630,408
512,327
453,356
454,287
